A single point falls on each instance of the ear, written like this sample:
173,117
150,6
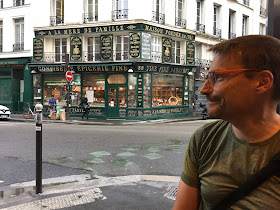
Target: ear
265,81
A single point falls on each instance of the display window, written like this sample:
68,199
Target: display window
132,81
94,89
147,91
37,88
167,90
56,85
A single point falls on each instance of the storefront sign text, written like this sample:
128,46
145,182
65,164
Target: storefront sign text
163,69
146,46
140,90
117,68
134,45
155,112
38,49
166,49
76,48
190,53
106,47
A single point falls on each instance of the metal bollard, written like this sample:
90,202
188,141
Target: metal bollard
38,108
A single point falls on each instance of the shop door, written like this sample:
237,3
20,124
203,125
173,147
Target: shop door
117,101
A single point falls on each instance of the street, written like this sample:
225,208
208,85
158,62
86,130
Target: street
69,149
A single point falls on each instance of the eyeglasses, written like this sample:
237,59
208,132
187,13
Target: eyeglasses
214,75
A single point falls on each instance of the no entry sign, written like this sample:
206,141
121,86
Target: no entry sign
69,76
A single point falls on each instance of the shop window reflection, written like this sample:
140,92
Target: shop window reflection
167,90
94,88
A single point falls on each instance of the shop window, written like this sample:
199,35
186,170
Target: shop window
94,88
37,88
132,81
116,79
55,85
122,97
147,90
167,90
75,90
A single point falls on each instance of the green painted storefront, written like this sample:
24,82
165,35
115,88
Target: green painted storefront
15,83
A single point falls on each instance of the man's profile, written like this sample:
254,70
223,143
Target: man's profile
242,89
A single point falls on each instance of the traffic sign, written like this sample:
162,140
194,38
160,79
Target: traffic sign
69,76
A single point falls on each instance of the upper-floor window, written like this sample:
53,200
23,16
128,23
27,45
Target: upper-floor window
58,12
244,25
176,56
231,25
93,53
216,28
263,7
246,2
156,49
60,49
121,10
19,35
262,29
179,12
1,36
158,14
122,47
199,26
18,2
91,11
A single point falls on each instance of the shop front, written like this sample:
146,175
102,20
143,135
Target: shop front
13,76
118,91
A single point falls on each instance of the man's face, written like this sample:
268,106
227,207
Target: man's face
231,95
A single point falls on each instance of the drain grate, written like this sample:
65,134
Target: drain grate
171,194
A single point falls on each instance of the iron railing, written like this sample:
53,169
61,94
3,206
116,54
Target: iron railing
200,28
91,56
54,57
231,35
246,2
18,3
156,56
180,22
178,59
217,32
1,47
57,20
121,55
90,17
18,47
158,17
262,11
203,63
120,14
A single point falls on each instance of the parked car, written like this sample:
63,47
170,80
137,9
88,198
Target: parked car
4,112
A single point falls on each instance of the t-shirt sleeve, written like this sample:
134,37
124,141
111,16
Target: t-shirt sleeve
190,173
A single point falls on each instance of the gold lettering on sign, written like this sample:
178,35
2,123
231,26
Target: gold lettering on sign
65,31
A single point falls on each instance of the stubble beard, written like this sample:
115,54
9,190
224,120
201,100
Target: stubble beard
216,110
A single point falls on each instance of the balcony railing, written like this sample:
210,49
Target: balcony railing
180,22
91,56
18,3
90,17
18,47
54,57
121,55
262,11
1,4
246,2
200,28
203,63
158,17
217,32
231,35
156,56
57,20
1,47
120,14
178,59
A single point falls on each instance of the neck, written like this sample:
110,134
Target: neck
258,128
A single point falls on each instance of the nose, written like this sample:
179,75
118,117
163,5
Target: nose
207,88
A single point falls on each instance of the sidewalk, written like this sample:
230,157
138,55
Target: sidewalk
118,193
96,121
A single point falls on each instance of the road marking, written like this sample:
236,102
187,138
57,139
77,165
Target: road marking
1,181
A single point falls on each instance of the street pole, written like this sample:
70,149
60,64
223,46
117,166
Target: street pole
68,100
38,108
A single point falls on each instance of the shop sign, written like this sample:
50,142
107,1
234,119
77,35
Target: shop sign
190,53
13,63
38,49
116,28
155,112
146,46
134,45
76,48
166,49
106,47
116,68
162,69
140,90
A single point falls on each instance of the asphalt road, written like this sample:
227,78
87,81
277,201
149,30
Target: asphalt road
69,149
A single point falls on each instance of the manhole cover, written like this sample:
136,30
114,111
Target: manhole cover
171,194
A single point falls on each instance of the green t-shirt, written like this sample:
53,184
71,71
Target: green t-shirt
217,162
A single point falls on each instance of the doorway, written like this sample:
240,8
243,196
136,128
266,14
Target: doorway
117,100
